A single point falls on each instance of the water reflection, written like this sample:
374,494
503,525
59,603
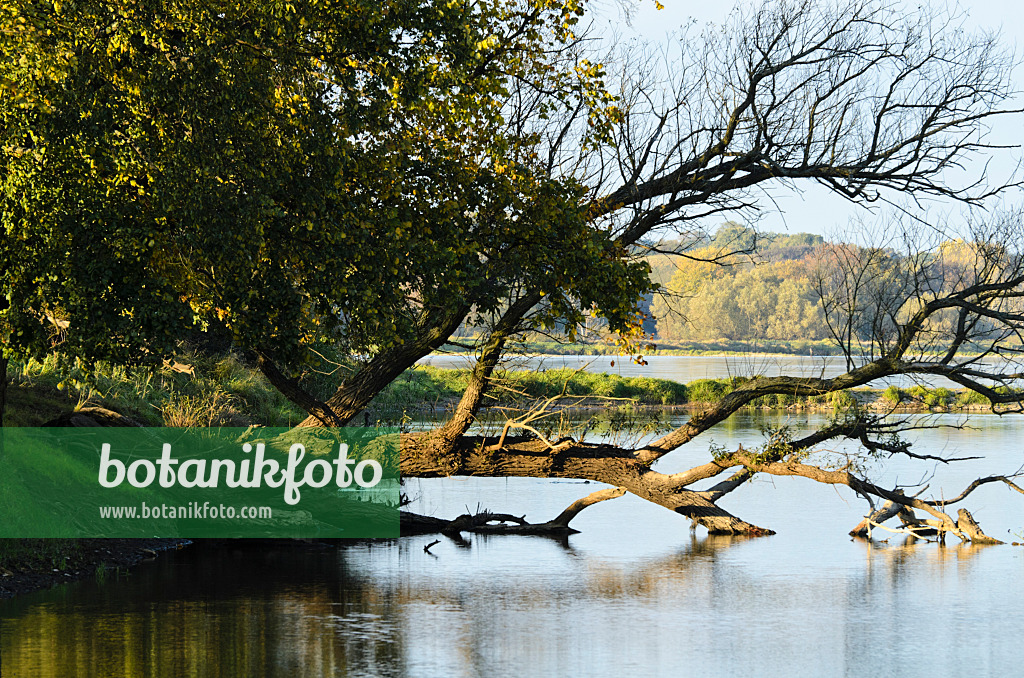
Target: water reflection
244,610
708,604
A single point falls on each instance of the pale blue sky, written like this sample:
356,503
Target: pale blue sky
815,209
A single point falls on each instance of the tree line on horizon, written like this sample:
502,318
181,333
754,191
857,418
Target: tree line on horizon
739,284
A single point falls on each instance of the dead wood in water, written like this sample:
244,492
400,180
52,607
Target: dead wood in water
971,529
486,522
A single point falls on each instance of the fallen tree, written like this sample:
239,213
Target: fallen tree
919,303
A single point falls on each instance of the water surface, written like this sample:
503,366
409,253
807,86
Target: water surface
634,592
688,368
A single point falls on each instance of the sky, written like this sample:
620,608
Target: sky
814,209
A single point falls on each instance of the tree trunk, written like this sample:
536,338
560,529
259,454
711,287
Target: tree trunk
423,456
359,389
291,390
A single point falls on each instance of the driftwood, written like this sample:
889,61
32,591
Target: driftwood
970,528
487,522
889,509
414,523
965,527
912,525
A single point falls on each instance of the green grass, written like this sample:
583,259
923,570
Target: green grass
940,397
436,386
428,385
35,406
841,400
645,390
708,390
967,397
226,391
220,391
895,395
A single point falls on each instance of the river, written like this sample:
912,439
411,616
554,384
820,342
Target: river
688,368
634,593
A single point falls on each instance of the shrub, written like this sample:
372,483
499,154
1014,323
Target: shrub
777,400
940,397
708,390
918,392
895,395
969,397
842,400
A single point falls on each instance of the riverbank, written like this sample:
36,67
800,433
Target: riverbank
437,390
28,565
225,391
720,347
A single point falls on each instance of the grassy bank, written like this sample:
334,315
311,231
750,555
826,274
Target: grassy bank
36,554
438,386
196,390
225,391
730,347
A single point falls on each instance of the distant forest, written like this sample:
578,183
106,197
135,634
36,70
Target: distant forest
760,286
771,285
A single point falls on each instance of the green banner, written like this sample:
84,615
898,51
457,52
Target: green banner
226,482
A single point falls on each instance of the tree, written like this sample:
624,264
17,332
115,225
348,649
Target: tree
764,294
770,298
478,162
292,173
